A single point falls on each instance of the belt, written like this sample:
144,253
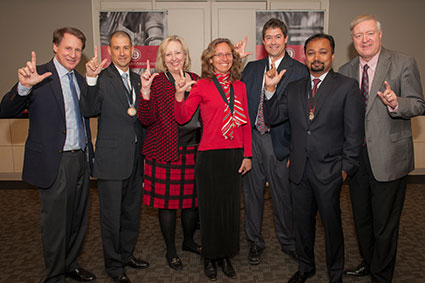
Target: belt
72,150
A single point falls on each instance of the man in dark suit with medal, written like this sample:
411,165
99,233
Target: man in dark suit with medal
326,115
56,151
270,146
113,95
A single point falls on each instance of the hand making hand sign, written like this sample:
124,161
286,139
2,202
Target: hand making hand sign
183,84
93,68
272,77
388,97
146,77
28,75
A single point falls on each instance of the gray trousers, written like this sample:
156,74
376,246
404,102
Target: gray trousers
266,167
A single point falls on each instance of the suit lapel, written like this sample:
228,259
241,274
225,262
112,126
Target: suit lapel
136,85
286,63
382,67
303,96
56,87
118,85
325,88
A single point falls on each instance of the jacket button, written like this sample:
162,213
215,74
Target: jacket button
60,151
309,133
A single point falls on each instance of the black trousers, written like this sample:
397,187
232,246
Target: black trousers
120,204
64,216
310,196
377,208
219,185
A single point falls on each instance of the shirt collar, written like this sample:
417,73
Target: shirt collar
371,63
321,78
122,72
62,71
277,62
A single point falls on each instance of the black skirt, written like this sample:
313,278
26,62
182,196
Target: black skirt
219,185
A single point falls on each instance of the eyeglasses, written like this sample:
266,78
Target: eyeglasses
222,55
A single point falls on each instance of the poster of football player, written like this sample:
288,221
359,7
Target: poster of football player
301,25
147,29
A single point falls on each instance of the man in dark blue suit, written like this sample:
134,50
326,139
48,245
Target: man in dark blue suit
56,151
326,113
270,146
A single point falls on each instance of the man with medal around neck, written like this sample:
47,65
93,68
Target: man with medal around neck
327,132
113,95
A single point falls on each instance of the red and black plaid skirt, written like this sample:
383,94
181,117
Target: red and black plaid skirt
171,184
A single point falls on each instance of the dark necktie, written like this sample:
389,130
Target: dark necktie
78,117
315,85
260,124
365,84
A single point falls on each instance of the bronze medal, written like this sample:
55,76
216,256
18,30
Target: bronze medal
131,111
311,115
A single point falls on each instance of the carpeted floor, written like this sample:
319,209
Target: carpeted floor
21,258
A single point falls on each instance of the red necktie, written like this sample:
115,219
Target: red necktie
365,84
315,84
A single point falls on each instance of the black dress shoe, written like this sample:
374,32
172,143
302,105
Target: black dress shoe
194,248
361,270
137,263
227,267
292,254
210,269
122,278
301,277
80,274
255,255
175,263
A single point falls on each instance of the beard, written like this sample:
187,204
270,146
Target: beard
317,68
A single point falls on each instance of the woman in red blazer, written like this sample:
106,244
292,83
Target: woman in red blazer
224,153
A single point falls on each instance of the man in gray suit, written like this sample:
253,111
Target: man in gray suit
390,84
113,96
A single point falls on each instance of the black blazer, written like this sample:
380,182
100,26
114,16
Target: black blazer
116,130
47,125
252,76
333,140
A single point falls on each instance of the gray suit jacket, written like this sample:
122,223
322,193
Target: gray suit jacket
389,135
116,130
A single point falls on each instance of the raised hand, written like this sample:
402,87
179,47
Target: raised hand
183,84
28,75
146,77
388,97
240,47
272,77
93,68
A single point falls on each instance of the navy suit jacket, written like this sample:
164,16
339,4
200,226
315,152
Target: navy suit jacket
252,76
333,140
47,125
117,130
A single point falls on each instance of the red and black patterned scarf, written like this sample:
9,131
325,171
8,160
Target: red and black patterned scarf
231,120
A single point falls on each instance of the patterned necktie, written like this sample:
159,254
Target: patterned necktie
78,117
365,85
125,81
315,84
260,124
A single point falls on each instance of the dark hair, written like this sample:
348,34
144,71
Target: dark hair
275,23
120,33
60,33
320,36
208,68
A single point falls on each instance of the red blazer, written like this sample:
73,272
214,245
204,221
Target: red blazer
157,114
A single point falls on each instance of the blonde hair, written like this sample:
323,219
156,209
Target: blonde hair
208,68
160,55
359,19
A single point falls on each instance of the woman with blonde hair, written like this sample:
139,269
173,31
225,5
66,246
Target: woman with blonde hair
170,149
